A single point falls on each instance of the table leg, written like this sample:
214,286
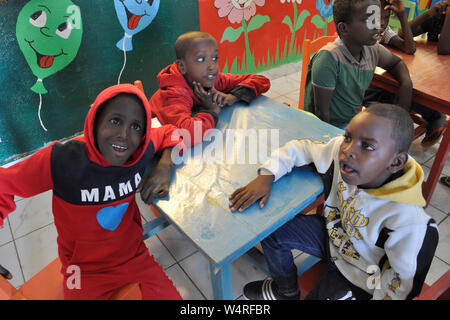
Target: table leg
438,163
221,282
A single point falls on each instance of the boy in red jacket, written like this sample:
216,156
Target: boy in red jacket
192,90
94,179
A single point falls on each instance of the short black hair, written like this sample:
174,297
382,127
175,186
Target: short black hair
402,124
184,42
343,11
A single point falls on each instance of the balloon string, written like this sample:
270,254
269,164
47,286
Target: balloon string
124,62
39,112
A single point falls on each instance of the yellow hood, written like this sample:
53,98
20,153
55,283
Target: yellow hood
405,189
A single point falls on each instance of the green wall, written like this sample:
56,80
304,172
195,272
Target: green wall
97,65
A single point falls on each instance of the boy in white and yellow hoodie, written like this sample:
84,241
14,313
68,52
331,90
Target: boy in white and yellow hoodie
374,235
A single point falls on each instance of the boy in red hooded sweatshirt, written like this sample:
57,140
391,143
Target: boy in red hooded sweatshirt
94,179
192,90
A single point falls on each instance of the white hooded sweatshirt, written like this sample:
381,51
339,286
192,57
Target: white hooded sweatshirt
380,239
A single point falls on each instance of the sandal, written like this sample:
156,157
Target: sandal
445,181
433,137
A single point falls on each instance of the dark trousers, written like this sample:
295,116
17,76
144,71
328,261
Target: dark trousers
308,234
377,95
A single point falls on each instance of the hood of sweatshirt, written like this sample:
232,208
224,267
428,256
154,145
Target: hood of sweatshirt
89,138
405,189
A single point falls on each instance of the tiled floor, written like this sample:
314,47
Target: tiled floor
28,238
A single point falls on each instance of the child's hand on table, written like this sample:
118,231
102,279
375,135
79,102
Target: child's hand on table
156,183
259,188
224,99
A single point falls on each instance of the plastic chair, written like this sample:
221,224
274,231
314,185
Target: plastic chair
394,22
440,290
47,285
310,47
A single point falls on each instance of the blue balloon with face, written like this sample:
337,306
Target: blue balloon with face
134,16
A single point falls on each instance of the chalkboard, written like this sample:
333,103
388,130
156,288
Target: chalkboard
97,65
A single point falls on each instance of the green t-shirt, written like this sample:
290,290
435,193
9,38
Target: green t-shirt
334,68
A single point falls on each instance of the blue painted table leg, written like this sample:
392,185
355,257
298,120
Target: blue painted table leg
221,282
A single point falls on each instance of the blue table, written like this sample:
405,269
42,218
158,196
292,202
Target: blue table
198,197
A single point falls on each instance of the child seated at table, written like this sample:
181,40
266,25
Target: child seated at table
339,74
390,37
436,23
435,119
193,90
374,227
94,179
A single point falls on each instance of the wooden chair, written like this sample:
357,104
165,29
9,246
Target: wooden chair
310,47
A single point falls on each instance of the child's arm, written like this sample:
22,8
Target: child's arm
295,153
166,139
243,87
156,183
177,110
444,38
26,178
322,102
419,25
395,66
324,73
405,44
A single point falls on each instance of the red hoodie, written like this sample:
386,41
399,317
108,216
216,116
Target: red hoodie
95,212
175,101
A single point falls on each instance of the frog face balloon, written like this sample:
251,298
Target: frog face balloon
49,36
134,16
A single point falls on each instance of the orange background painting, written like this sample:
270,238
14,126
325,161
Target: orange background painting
270,43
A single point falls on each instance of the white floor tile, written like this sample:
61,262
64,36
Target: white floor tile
443,249
178,244
184,285
31,214
441,194
5,232
159,252
445,169
37,249
421,154
8,259
437,269
197,267
436,214
283,85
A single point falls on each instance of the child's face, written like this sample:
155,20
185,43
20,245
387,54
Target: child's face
119,128
385,15
200,63
367,156
360,30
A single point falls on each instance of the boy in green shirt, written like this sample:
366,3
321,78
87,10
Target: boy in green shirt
340,73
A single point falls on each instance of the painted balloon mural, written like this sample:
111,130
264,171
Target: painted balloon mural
134,16
49,35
